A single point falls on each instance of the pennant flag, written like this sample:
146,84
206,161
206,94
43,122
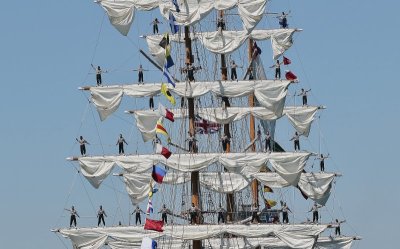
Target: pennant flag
168,59
286,61
269,203
290,76
168,75
165,112
163,151
267,189
155,225
167,94
172,23
164,41
160,128
148,243
158,174
149,209
175,3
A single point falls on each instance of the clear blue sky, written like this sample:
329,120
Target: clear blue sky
349,54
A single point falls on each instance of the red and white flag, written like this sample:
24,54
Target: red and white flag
165,112
286,61
162,150
290,76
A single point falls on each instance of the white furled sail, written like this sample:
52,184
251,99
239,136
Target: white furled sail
138,185
227,41
335,243
293,236
316,186
342,242
121,13
300,117
288,165
271,94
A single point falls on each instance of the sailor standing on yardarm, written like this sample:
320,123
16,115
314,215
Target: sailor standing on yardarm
192,142
296,140
314,210
98,74
268,142
277,67
137,215
74,213
321,159
120,144
100,216
140,74
303,93
285,214
155,23
82,146
233,70
283,20
221,211
164,211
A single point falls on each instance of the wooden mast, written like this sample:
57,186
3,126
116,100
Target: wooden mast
230,201
194,177
254,184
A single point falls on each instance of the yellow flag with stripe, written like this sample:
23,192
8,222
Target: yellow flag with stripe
167,94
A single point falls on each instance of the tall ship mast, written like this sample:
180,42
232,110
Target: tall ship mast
209,170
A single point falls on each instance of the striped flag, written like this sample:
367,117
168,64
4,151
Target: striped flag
167,75
158,174
160,128
175,3
163,151
168,59
165,112
148,243
149,209
172,23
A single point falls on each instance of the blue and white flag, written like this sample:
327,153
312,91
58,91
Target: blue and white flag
148,243
172,23
175,3
168,59
169,77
